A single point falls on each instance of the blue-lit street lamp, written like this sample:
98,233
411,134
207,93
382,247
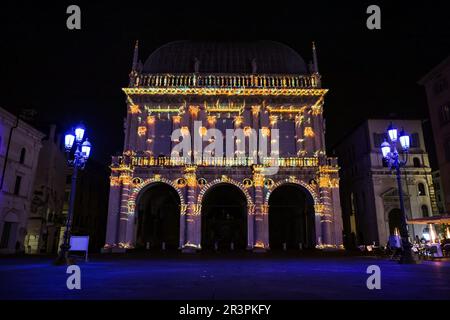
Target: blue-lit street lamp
81,154
395,161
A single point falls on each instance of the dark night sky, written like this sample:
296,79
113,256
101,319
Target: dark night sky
69,76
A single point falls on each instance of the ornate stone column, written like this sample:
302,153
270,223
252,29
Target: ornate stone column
260,214
328,184
192,218
118,215
113,211
125,218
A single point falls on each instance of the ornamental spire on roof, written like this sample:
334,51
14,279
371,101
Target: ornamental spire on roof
135,55
315,64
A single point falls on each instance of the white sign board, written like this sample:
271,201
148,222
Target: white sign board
79,243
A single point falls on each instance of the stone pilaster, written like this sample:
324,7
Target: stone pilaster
113,211
192,238
260,214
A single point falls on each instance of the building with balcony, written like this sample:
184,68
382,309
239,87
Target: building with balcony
369,193
436,83
224,149
20,144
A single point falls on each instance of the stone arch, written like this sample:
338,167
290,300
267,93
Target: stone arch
301,183
135,196
209,185
138,190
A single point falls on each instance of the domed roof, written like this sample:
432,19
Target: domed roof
267,57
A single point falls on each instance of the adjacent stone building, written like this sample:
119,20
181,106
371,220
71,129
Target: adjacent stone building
207,199
20,144
46,212
369,193
436,83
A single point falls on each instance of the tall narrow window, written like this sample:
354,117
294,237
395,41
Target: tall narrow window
22,155
416,162
421,188
17,185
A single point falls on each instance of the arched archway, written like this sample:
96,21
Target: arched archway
291,217
395,220
158,217
224,217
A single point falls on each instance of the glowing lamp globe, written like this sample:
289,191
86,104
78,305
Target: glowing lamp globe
86,148
385,149
404,140
79,132
392,131
68,141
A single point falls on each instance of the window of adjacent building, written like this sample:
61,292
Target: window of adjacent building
440,85
22,155
287,138
415,142
425,212
17,185
445,113
416,162
378,139
421,189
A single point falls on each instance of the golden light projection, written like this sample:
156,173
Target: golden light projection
202,131
255,110
184,131
308,132
265,131
194,110
247,131
211,120
238,120
142,130
273,120
226,91
176,119
134,109
151,119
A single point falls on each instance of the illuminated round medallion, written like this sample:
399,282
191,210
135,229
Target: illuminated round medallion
201,181
137,181
247,182
181,182
268,183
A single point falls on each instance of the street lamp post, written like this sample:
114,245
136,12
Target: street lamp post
392,156
80,157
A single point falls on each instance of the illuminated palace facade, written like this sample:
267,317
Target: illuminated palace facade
161,200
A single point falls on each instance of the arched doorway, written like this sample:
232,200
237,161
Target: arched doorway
158,220
291,218
224,218
395,220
